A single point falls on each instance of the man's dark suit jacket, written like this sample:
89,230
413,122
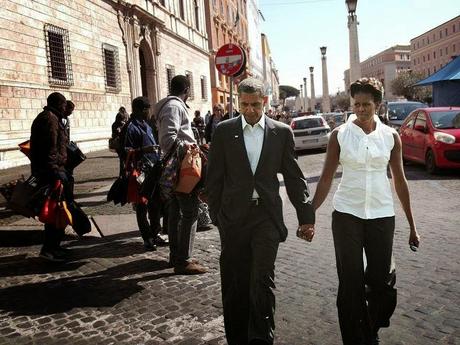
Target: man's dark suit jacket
230,181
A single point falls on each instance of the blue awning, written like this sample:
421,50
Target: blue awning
451,71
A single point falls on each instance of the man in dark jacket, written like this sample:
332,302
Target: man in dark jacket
48,156
246,155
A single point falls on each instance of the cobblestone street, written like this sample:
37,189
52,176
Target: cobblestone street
113,292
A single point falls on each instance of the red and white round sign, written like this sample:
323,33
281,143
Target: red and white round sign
229,59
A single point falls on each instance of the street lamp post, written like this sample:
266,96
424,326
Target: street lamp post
355,68
312,86
300,98
326,102
305,94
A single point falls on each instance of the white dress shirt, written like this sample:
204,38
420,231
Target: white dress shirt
364,190
253,141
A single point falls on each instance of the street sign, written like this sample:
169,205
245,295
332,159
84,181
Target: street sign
230,59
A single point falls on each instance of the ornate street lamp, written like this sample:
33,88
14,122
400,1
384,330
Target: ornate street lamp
312,87
300,97
326,103
355,68
305,107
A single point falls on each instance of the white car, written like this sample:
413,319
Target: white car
310,132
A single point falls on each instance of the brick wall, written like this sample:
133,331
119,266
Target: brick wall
186,58
24,83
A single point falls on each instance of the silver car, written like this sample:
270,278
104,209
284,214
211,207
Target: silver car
310,132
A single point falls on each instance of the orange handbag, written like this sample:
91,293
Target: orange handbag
190,170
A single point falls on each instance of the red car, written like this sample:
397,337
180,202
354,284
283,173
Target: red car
432,136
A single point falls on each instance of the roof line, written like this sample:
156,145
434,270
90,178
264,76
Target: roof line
434,28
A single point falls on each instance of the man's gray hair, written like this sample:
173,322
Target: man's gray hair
251,85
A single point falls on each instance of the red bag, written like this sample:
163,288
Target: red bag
25,148
54,210
190,170
133,195
48,211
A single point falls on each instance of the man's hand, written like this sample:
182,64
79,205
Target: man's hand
306,232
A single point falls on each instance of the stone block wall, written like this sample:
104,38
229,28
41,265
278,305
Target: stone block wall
24,83
186,58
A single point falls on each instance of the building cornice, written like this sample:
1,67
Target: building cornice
435,28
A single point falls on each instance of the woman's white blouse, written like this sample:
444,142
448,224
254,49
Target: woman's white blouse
364,190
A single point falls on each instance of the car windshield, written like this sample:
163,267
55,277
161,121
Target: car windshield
308,123
399,111
445,119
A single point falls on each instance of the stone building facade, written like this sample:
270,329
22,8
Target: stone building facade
226,22
256,64
98,53
386,65
435,48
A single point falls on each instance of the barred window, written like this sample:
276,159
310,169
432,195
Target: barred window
169,75
189,76
111,68
204,88
58,56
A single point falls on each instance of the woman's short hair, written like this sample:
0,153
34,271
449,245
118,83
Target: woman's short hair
251,85
371,86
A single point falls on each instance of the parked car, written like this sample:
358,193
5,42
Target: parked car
394,113
334,119
310,132
432,136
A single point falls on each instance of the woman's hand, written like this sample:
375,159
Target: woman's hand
414,239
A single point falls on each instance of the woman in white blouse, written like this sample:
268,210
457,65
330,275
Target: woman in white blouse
363,216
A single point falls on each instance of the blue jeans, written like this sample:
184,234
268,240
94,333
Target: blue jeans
182,222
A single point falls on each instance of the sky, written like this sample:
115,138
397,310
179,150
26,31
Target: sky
297,28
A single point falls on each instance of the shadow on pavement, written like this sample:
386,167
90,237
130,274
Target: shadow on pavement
417,172
99,289
24,238
100,179
20,265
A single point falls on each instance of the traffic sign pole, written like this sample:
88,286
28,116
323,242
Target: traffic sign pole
230,110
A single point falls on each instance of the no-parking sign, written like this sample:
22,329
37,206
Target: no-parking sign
230,59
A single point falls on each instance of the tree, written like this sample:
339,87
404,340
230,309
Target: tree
403,85
286,91
340,101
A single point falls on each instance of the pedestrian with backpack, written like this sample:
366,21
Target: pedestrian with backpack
174,127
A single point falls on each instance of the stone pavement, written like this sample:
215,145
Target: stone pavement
112,292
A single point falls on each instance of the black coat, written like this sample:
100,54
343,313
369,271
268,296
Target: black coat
230,181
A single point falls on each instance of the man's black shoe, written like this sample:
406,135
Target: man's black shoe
149,245
52,255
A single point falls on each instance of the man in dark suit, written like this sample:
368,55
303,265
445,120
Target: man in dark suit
247,153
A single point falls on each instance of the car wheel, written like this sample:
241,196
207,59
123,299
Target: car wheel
430,163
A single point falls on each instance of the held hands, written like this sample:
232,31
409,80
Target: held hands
306,232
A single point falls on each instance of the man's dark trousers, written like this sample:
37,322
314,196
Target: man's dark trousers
247,266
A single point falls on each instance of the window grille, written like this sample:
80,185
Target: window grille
111,68
189,76
204,88
169,75
58,56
